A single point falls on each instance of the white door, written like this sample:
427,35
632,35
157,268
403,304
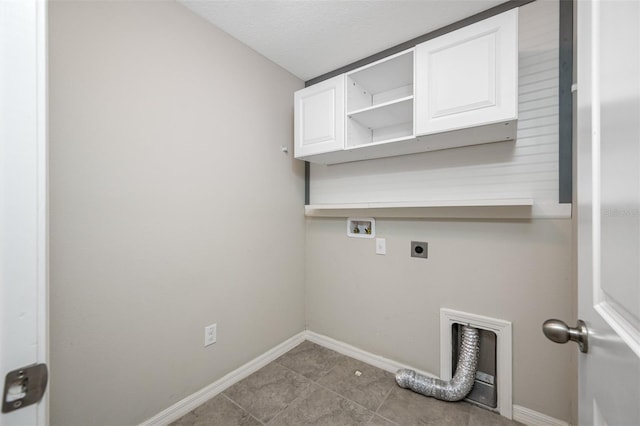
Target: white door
319,118
23,207
608,194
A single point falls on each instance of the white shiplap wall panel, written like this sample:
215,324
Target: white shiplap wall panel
547,75
527,168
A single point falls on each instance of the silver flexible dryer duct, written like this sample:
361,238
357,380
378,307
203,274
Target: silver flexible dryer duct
461,383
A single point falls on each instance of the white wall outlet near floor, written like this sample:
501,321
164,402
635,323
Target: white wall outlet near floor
381,246
210,334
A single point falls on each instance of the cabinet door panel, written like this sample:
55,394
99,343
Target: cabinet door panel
468,77
319,118
453,88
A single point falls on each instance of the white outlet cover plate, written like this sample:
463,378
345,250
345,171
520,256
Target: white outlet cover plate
210,334
381,246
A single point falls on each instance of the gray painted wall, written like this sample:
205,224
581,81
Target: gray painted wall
519,271
172,207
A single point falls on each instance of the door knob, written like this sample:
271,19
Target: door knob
559,332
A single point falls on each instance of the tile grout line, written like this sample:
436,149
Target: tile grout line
375,412
343,397
293,401
311,382
242,408
290,403
381,403
368,423
316,382
331,369
327,389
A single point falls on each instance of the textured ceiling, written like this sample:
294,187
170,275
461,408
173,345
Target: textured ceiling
312,37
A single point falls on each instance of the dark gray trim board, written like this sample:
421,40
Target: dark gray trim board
565,118
307,183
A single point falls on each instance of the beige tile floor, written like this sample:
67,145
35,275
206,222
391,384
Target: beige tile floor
312,385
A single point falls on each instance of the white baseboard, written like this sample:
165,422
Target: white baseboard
198,398
180,408
361,355
533,418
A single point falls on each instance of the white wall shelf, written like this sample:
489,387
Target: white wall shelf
516,208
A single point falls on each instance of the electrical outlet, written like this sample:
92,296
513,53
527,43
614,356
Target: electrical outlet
210,334
419,249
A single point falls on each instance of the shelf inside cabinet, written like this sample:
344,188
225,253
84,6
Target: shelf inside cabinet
386,114
380,102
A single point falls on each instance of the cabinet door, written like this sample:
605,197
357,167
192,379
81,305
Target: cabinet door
468,77
319,117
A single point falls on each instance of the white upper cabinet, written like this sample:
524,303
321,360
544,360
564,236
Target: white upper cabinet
469,77
454,90
319,118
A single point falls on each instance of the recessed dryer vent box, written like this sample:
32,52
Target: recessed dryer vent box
485,387
361,227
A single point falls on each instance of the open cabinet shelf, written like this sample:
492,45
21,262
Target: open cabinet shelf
386,114
380,101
